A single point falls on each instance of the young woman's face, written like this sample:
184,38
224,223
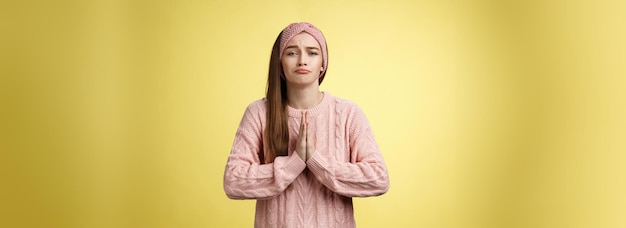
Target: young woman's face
302,60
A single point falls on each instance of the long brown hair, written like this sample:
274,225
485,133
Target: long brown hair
276,138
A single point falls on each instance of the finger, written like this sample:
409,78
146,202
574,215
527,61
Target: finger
306,125
302,134
310,147
301,124
308,139
301,141
306,133
306,122
306,129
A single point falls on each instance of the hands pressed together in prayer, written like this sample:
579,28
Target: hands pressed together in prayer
305,147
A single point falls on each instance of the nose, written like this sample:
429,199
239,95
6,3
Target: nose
302,61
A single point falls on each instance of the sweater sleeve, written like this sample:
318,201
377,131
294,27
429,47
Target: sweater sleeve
244,176
365,174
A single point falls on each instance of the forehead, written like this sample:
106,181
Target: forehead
303,39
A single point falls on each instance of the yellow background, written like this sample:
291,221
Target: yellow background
122,113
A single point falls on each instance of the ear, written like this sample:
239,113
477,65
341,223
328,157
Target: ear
322,69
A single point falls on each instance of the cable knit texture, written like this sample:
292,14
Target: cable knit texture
317,193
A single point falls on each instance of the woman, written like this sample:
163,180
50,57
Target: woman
302,153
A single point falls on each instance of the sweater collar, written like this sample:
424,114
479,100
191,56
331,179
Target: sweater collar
319,108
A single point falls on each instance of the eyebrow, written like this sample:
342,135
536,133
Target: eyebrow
294,46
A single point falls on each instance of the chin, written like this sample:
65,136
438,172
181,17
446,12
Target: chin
302,82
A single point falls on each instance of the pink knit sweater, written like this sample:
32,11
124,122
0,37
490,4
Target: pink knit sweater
317,193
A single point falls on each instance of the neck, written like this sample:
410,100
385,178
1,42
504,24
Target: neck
306,98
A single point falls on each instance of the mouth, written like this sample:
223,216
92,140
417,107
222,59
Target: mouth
303,71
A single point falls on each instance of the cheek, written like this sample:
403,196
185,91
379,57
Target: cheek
286,62
319,63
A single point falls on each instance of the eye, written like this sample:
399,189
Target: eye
291,53
313,53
